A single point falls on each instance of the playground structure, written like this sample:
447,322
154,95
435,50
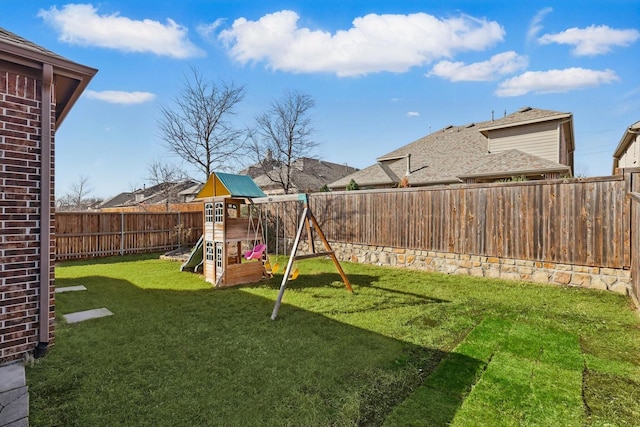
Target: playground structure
233,249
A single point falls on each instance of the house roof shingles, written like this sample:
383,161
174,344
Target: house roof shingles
444,156
307,174
513,163
14,39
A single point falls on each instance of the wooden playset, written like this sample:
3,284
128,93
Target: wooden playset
232,244
233,249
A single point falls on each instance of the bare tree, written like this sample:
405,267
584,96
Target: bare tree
282,135
165,176
198,129
77,198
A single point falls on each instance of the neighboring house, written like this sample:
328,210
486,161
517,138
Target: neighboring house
530,143
307,175
627,154
38,88
160,194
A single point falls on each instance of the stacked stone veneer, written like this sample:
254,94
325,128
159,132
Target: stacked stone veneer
617,280
20,203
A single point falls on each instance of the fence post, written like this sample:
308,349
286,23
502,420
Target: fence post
121,233
179,229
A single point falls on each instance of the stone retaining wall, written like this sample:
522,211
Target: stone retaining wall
616,280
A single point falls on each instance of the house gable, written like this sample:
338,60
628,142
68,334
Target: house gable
627,154
540,139
447,155
543,133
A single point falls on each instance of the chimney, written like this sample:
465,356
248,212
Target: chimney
408,164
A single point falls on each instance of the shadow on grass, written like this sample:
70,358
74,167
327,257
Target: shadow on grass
206,357
111,259
326,285
444,392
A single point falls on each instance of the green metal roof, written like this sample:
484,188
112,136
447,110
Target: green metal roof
227,184
240,185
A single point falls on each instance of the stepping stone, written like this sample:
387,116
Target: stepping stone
14,397
71,289
86,315
13,376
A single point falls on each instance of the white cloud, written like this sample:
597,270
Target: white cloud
205,30
120,97
498,65
593,40
535,26
81,24
554,81
374,43
413,114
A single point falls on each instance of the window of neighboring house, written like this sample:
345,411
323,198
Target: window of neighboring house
209,250
219,212
208,212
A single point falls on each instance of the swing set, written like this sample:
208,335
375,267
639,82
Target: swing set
235,240
308,223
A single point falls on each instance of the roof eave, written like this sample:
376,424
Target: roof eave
515,173
559,116
78,75
445,181
626,139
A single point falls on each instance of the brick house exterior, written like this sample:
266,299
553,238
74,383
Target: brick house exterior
37,90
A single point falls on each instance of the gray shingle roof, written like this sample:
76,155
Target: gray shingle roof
513,163
452,152
307,174
524,115
14,39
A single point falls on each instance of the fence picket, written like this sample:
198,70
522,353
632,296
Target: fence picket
94,234
579,222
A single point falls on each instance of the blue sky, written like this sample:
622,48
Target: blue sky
382,73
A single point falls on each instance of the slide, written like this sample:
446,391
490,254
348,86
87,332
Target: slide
195,259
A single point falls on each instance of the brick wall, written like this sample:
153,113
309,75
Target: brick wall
20,173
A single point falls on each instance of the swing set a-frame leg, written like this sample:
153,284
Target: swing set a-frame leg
332,254
307,219
285,278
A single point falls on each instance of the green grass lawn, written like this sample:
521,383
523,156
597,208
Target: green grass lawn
407,348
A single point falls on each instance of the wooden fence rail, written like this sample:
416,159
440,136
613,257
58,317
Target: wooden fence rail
92,234
580,222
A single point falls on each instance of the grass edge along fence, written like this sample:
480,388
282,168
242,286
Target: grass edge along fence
98,234
569,231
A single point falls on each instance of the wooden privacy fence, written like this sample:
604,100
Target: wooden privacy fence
579,222
95,234
635,245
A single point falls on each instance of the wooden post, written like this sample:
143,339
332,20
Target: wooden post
345,280
285,278
306,220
